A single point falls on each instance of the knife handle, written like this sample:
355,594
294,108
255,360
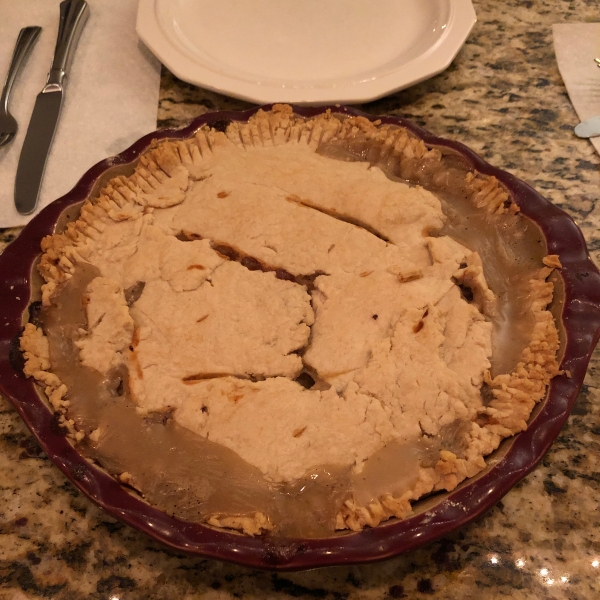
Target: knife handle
73,17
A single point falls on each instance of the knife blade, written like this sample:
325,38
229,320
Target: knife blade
46,111
589,128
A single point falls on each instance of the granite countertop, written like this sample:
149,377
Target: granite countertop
503,97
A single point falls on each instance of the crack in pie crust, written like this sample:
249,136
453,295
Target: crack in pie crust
231,263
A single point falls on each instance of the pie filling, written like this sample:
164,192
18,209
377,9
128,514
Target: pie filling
296,325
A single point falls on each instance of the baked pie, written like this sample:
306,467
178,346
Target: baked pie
294,325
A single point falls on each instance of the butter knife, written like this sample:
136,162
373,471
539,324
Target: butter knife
589,128
32,162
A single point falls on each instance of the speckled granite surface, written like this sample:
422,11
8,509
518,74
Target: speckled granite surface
504,98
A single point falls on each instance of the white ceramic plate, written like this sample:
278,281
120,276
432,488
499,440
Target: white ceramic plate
305,51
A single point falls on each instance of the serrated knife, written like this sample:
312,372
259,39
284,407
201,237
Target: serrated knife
589,128
46,111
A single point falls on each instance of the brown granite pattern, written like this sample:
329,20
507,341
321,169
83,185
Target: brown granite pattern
503,97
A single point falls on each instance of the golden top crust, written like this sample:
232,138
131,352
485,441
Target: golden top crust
311,256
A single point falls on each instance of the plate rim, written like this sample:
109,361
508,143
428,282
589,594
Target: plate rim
428,64
581,315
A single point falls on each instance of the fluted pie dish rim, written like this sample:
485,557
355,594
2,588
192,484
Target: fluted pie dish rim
581,319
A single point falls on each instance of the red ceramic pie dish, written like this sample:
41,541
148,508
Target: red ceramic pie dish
433,517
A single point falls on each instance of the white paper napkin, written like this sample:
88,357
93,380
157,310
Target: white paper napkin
576,46
111,96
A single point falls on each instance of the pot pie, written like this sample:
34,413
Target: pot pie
294,325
